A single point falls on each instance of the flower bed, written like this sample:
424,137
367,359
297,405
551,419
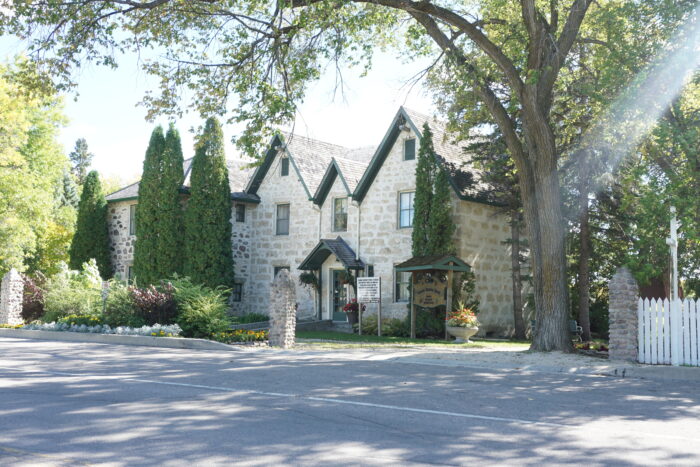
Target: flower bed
157,330
240,336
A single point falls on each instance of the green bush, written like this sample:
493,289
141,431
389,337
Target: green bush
119,307
73,293
391,327
430,323
249,318
201,310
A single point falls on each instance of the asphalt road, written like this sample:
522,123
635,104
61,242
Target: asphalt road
73,404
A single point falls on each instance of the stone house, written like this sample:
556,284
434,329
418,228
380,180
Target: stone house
311,206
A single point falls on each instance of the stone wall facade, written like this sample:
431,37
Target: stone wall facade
624,296
121,242
11,295
282,310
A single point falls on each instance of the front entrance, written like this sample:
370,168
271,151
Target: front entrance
339,295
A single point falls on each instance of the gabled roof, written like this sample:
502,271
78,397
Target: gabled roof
453,157
349,171
238,174
325,248
315,163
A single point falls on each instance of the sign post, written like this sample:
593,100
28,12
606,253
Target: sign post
676,330
369,290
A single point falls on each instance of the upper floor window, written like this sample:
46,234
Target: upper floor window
340,214
132,219
406,209
240,213
409,149
284,167
282,227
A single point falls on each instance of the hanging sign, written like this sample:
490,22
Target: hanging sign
368,289
429,290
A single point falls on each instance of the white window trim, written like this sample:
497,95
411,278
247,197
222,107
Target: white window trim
347,214
289,224
415,149
398,208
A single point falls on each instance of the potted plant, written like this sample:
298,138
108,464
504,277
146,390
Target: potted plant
309,279
352,309
462,324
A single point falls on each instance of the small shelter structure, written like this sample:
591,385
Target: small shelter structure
428,283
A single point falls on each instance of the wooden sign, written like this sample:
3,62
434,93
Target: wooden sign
429,290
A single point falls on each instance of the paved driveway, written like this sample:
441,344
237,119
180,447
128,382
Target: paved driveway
71,404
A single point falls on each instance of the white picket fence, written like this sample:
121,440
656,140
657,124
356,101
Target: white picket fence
669,332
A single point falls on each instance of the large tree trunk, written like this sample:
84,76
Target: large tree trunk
542,206
516,277
584,253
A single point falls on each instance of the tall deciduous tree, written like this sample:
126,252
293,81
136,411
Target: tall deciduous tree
91,239
208,255
148,212
170,226
32,163
510,56
81,158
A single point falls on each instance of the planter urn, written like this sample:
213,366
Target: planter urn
462,334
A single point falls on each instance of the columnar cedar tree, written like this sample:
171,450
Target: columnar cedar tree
441,227
423,198
170,227
148,212
91,239
208,255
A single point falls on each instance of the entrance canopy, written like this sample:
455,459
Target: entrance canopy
434,263
325,248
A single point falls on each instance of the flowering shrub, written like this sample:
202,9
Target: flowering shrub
33,297
352,305
463,318
155,304
11,326
240,335
157,330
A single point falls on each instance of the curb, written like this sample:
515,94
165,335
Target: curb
115,339
656,372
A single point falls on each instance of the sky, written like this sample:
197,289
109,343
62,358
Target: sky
105,110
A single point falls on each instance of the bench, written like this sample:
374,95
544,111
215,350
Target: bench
574,328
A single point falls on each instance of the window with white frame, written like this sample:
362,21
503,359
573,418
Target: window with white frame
284,167
406,209
402,286
409,149
340,214
282,220
132,219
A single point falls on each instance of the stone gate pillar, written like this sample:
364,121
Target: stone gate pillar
11,294
624,296
283,310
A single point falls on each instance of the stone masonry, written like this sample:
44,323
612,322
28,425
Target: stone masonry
11,298
282,310
624,295
121,242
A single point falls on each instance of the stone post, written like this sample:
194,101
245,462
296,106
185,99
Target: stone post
283,310
11,295
624,296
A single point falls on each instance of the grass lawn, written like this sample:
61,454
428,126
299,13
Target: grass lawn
339,339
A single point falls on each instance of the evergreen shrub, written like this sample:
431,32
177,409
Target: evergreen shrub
201,310
119,307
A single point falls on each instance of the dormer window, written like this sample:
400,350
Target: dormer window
284,167
409,149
